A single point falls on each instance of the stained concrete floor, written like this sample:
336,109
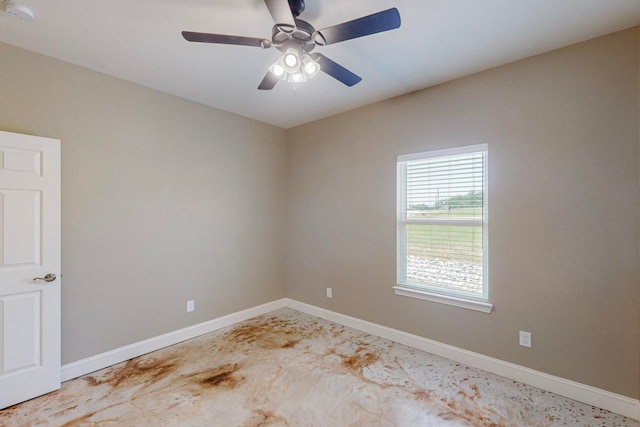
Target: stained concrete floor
287,368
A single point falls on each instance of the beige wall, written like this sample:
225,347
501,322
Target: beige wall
163,200
562,130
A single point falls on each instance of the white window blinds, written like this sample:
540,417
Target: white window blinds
442,221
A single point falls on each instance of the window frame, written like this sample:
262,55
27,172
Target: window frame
425,292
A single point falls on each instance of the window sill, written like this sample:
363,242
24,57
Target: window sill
443,299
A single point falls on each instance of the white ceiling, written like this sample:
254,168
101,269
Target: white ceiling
439,40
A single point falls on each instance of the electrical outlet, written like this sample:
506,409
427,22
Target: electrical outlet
329,293
525,339
191,306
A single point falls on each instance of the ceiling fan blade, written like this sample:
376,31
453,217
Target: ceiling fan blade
225,39
378,22
336,70
281,13
268,82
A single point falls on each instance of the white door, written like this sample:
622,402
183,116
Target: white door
29,248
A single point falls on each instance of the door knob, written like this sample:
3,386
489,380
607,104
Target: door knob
48,278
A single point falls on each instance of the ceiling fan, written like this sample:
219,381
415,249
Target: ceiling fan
296,39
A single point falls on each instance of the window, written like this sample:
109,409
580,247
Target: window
442,226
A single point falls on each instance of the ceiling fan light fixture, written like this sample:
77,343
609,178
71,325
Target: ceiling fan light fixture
294,68
277,70
290,59
309,67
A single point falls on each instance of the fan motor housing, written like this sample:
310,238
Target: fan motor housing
301,36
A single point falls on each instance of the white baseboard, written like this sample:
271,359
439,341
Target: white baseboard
103,360
613,402
573,390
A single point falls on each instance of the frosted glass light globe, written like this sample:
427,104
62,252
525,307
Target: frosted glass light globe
291,60
310,68
278,70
